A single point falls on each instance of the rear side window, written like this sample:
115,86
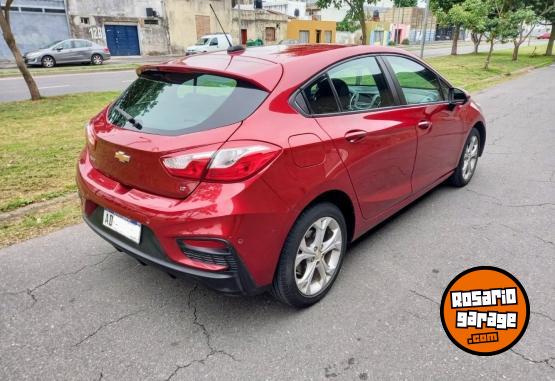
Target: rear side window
178,103
360,85
419,84
320,97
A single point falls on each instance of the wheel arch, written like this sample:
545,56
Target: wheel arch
343,202
482,131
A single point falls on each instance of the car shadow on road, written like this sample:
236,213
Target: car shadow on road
235,308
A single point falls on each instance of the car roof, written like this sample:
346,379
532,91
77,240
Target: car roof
266,65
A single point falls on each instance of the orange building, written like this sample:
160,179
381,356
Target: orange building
311,31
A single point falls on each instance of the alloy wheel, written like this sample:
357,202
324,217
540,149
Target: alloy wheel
470,158
318,256
97,60
48,62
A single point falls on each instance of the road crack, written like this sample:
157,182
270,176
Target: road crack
207,337
544,361
543,315
30,291
497,201
424,297
106,324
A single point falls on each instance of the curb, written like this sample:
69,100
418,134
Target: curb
26,210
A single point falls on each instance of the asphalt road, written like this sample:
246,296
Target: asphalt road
14,89
73,308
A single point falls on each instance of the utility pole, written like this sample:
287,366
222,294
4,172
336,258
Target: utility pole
424,29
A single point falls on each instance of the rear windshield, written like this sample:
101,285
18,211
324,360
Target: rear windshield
178,103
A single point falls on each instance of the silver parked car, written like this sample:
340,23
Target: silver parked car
68,51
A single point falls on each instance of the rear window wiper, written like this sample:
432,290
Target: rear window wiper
130,119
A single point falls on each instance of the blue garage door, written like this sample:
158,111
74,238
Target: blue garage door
122,40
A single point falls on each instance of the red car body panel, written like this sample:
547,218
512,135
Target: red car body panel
394,163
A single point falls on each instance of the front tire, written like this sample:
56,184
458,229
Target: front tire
48,61
97,59
468,160
312,256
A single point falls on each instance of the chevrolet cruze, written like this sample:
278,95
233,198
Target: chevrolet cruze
252,170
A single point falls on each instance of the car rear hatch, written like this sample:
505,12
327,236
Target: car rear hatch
168,110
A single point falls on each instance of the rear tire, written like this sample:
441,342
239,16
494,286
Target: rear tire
311,256
48,61
97,59
468,160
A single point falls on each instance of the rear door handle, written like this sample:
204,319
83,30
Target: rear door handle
424,124
354,136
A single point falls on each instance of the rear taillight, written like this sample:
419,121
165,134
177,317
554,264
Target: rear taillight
106,50
239,160
91,137
234,161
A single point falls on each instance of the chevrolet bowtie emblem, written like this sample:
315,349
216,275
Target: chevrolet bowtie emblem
122,156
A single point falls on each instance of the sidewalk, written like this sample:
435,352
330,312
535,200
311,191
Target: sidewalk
138,60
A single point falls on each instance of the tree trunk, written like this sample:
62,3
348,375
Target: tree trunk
492,41
455,40
515,50
364,31
549,51
10,41
476,40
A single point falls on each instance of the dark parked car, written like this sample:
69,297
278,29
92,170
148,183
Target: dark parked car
68,51
253,170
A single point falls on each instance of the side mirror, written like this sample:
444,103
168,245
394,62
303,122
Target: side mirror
456,97
59,48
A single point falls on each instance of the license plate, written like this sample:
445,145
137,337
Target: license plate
124,226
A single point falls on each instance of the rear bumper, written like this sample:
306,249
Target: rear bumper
248,217
237,281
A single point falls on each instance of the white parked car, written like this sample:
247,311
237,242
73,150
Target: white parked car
210,43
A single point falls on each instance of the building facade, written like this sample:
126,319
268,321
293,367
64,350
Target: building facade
35,24
295,9
259,24
311,31
126,27
188,20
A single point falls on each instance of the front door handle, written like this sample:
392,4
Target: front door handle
354,136
424,124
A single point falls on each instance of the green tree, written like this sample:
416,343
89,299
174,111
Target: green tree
441,9
10,41
545,10
473,15
355,12
497,25
347,25
521,22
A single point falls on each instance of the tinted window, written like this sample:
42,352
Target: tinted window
82,44
419,84
214,42
178,103
360,85
67,44
321,99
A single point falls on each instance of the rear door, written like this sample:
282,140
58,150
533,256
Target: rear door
440,130
356,107
83,50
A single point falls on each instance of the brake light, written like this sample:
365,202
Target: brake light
191,165
234,161
106,50
91,137
239,160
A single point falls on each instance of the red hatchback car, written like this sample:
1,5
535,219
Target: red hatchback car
253,170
